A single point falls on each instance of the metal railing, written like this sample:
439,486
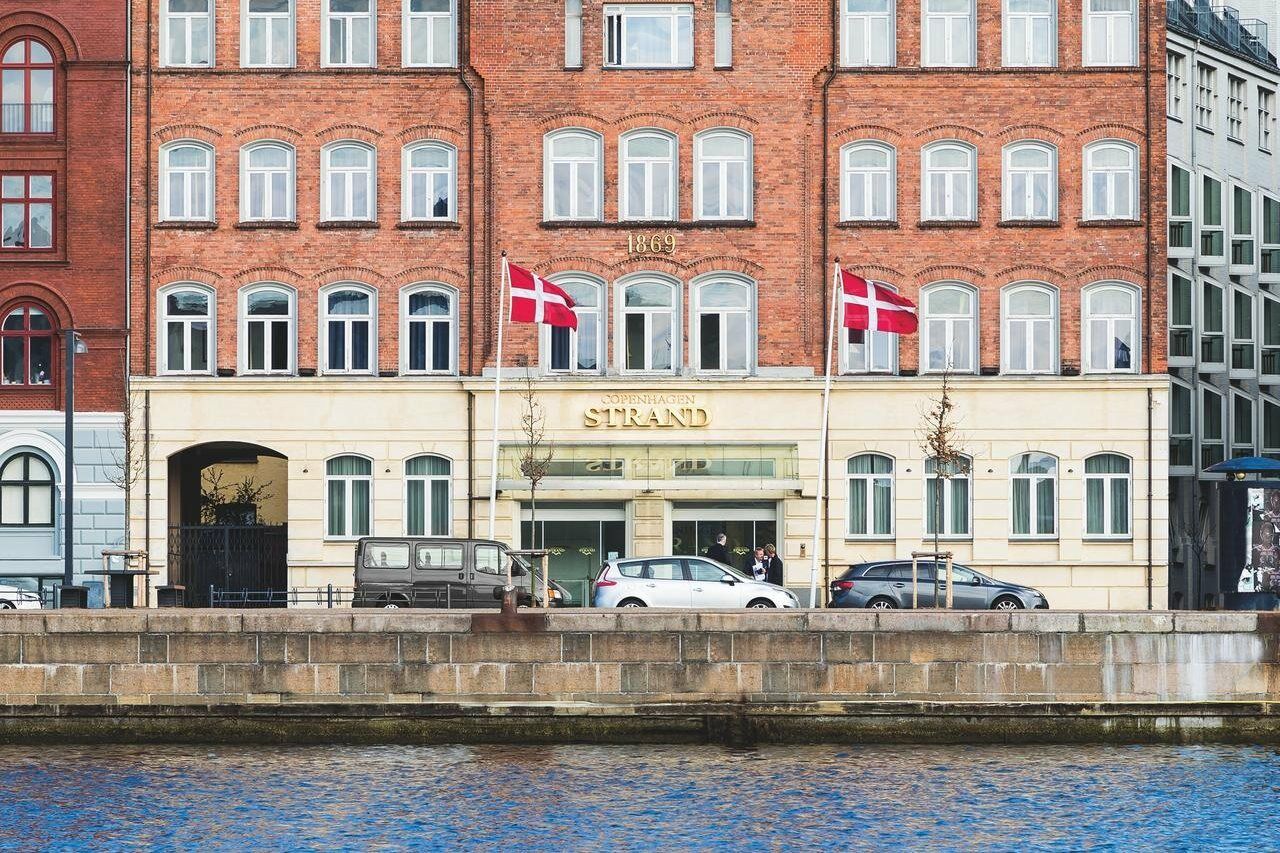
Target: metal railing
445,597
1223,25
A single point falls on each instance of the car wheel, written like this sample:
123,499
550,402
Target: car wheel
760,604
882,603
1006,602
631,602
5,604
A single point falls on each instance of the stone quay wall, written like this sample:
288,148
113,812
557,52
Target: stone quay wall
639,675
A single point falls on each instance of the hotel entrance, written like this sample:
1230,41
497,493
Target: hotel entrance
694,527
579,537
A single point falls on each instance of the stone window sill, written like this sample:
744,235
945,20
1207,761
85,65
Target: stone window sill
877,224
429,225
948,223
345,224
187,226
267,225
1109,223
1029,223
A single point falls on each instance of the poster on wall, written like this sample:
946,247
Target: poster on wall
1261,571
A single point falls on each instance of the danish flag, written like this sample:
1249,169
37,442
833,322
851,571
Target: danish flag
534,300
875,307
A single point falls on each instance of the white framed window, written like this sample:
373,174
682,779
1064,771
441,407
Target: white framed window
429,329
1242,241
1213,325
1181,319
1266,117
1270,427
954,504
572,33
348,497
1242,425
348,337
429,185
948,33
867,33
28,490
429,32
1111,328
1213,250
1030,333
868,181
1030,181
648,325
870,496
950,176
578,350
1030,33
347,183
1269,256
1110,32
266,34
869,350
647,176
573,175
1111,180
1206,95
1270,339
267,342
1033,504
266,182
188,323
1212,427
186,182
428,499
1175,69
723,328
1181,416
724,34
186,33
1108,509
349,34
723,179
1181,224
1243,335
648,35
1237,106
950,328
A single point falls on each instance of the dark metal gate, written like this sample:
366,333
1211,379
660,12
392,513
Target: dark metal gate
228,557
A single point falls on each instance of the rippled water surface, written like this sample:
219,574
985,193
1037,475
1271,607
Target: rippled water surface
643,797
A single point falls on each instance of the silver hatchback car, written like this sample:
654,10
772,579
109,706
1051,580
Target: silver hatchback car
682,582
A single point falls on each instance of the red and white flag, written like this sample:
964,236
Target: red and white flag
874,307
534,300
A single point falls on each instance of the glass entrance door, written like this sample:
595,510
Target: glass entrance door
580,539
694,528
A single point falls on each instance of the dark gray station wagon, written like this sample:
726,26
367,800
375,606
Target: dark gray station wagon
417,572
887,586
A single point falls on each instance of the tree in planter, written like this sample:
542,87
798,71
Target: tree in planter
941,441
536,451
231,503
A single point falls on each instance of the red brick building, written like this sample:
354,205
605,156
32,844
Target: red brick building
324,192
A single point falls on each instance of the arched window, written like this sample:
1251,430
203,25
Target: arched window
429,332
1111,328
348,497
722,182
948,33
869,350
580,350
1111,180
953,505
1030,181
1034,501
950,327
347,182
647,327
187,329
429,32
186,182
950,178
186,32
430,178
870,495
723,332
1106,495
647,177
1030,30
349,33
867,33
347,333
428,505
1030,335
267,38
266,329
27,70
266,182
1110,32
26,491
870,181
573,175
26,346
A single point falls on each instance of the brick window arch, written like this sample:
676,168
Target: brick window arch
26,346
26,69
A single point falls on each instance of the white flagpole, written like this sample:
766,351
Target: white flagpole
497,393
819,509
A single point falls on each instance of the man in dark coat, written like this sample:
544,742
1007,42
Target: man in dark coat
774,573
718,551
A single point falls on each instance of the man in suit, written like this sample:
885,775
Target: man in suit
756,565
774,573
718,551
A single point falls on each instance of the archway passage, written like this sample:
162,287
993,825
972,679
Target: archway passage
228,522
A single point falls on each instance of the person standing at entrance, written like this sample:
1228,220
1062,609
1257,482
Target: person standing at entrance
774,572
719,552
757,564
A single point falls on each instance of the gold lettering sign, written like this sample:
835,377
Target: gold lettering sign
647,411
651,244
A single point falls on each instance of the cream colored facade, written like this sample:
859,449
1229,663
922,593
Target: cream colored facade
389,420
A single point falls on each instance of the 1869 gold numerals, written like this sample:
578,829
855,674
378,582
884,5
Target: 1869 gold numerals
651,244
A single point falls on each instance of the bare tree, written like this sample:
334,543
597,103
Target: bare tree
536,451
222,502
941,441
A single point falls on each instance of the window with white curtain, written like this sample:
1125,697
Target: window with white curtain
348,340
572,175
429,33
350,32
578,350
1111,180
648,175
429,182
1030,33
267,34
186,32
572,33
186,182
1030,181
724,33
1106,495
870,496
949,326
1110,32
1030,334
648,35
187,329
647,326
948,38
348,497
724,325
1111,328
949,182
1033,500
428,507
869,350
952,503
867,33
347,182
869,182
722,174
429,330
266,330
266,182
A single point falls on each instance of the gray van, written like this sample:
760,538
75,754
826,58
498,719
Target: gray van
408,571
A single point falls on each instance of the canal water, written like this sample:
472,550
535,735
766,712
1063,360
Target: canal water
640,798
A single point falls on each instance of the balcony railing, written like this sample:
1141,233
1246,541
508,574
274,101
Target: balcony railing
1223,25
26,118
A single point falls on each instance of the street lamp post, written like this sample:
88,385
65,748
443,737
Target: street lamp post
72,595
